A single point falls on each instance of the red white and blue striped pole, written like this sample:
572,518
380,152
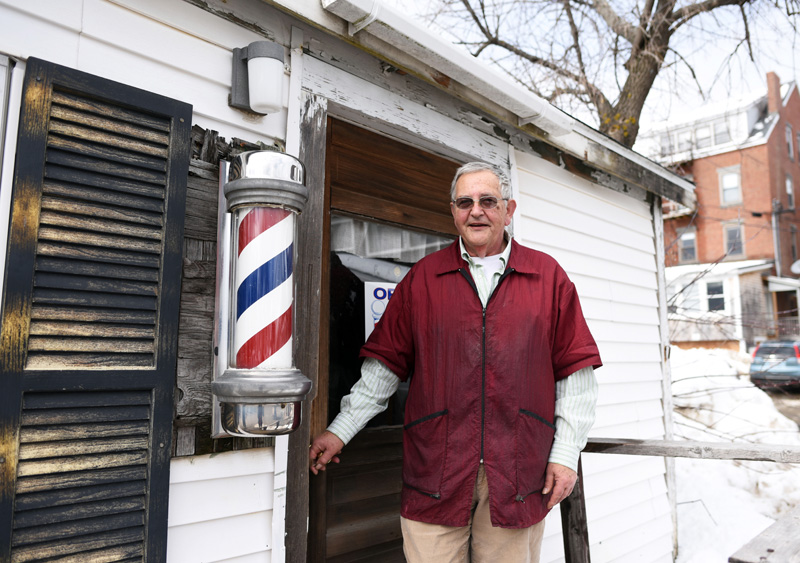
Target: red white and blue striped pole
261,392
264,288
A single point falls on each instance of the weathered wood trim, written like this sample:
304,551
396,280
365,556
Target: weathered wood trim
577,530
696,450
192,423
574,523
666,370
483,137
308,312
318,485
375,108
608,167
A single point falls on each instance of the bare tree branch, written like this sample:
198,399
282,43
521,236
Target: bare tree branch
684,14
616,23
576,43
594,92
691,71
477,20
641,30
593,53
747,33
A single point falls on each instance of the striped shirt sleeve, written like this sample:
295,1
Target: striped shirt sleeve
368,397
576,397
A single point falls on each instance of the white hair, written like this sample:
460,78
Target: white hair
470,167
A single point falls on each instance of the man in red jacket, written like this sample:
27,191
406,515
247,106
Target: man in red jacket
503,391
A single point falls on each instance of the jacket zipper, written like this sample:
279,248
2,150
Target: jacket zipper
483,345
483,379
437,496
521,498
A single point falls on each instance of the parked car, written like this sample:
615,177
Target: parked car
776,363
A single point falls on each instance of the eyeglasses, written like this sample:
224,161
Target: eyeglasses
486,202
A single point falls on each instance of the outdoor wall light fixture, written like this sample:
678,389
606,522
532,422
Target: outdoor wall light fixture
257,83
260,392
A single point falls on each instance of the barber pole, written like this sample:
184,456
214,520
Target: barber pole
260,392
264,282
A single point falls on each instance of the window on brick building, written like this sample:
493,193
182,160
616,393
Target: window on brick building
687,245
684,141
790,190
721,133
702,136
734,243
666,144
691,298
794,243
730,185
715,296
683,297
790,141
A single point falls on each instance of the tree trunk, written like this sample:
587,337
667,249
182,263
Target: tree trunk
622,123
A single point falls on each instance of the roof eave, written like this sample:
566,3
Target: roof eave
443,65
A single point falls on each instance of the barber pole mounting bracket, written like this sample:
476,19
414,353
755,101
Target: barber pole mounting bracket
261,392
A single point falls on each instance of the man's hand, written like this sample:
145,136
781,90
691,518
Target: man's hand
323,450
559,479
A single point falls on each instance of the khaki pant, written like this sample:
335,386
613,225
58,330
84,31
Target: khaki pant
478,542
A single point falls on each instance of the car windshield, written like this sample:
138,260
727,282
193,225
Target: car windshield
775,351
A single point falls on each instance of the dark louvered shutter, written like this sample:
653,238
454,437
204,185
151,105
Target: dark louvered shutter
90,309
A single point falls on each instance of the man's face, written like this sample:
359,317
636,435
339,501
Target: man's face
481,229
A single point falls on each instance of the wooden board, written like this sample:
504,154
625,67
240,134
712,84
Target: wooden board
780,543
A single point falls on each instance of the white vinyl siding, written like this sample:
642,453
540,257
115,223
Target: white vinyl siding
185,54
12,94
605,242
220,507
603,239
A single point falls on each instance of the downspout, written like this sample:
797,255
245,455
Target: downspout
776,241
777,211
375,18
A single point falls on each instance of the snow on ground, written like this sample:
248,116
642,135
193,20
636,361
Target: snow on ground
723,504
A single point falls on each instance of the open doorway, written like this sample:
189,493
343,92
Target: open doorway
388,206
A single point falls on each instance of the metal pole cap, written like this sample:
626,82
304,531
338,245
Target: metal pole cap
266,178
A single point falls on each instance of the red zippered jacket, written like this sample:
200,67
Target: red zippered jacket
482,381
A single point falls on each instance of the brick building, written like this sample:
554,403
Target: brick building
729,260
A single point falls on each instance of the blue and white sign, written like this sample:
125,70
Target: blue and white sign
376,297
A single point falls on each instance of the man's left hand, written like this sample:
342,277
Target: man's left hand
559,479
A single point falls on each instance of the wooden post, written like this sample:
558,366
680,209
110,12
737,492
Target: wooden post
308,272
574,524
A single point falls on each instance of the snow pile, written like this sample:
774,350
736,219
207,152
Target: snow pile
724,504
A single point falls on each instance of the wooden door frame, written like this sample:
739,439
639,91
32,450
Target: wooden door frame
309,308
312,322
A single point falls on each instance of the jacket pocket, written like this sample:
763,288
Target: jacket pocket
533,440
424,452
